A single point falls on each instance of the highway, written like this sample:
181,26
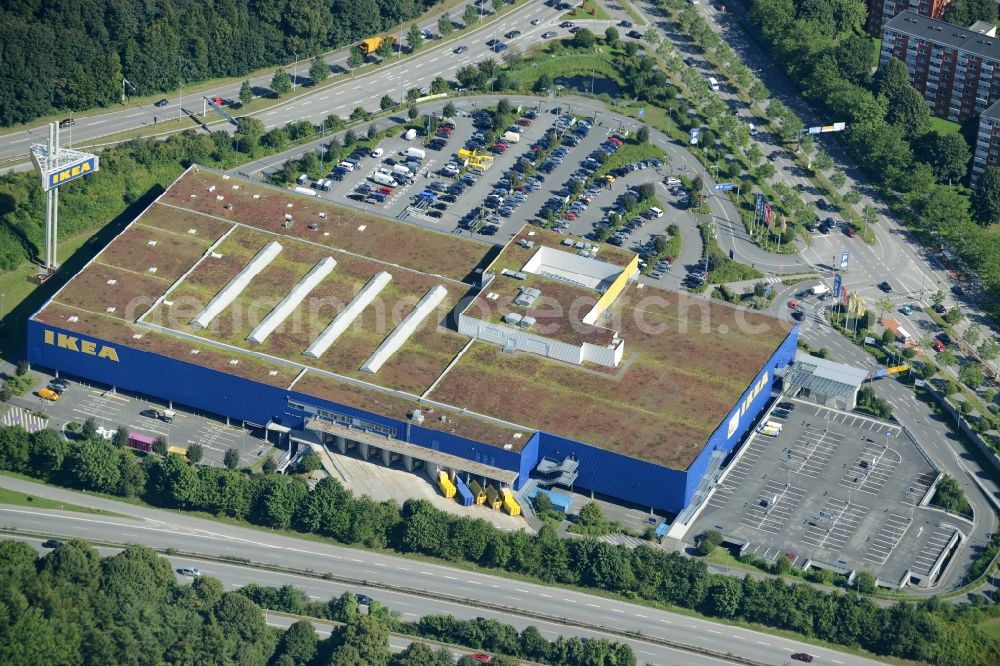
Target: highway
420,587
338,95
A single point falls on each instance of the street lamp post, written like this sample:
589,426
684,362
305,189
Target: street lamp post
295,71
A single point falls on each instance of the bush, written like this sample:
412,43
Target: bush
709,541
949,496
22,368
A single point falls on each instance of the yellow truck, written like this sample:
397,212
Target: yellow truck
372,44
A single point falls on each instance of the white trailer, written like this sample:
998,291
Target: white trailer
305,190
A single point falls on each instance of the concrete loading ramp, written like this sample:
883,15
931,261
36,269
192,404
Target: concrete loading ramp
346,317
406,328
224,298
288,304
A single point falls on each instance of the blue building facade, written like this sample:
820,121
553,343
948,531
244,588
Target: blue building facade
601,471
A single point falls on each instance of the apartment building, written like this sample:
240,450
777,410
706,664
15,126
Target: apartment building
881,12
957,70
986,152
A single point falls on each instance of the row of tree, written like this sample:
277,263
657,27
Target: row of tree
75,56
478,634
940,634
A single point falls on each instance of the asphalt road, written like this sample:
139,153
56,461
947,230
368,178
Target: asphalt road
428,587
347,91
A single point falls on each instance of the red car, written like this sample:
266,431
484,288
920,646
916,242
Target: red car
446,130
850,231
615,140
523,122
938,346
219,101
386,190
481,657
499,148
569,216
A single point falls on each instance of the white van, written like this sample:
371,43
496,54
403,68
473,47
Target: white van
383,179
713,83
655,212
752,128
410,134
346,166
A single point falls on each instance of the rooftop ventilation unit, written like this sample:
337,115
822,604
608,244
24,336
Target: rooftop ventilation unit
512,318
402,333
288,304
527,297
236,286
347,316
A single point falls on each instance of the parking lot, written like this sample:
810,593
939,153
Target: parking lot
109,409
837,489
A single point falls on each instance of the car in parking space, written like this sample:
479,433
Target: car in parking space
499,48
789,406
850,231
189,571
944,338
60,382
885,287
436,214
162,102
625,24
575,29
51,543
634,34
566,24
513,34
656,275
958,291
781,413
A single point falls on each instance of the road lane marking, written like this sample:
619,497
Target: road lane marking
593,605
617,610
547,596
763,643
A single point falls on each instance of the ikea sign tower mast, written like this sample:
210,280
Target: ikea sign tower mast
56,166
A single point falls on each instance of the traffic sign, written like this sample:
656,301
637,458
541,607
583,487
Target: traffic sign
723,187
845,259
642,112
695,133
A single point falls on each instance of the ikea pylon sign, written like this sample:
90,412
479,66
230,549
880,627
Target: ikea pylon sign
70,172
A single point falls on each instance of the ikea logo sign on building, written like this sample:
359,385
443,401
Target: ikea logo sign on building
72,172
78,345
734,421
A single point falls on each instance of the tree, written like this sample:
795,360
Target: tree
311,462
249,134
414,37
231,459
246,93
439,85
299,642
864,582
269,466
471,15
386,103
754,154
964,13
281,83
973,334
971,374
954,315
368,637
948,155
445,25
611,36
591,514
93,465
355,59
412,113
44,450
384,49
723,596
642,135
319,71
543,84
89,430
583,39
989,349
449,110
160,445
195,453
986,197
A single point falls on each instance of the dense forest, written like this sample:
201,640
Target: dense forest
73,607
934,631
61,56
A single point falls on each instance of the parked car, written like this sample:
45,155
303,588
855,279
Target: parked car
885,287
788,406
